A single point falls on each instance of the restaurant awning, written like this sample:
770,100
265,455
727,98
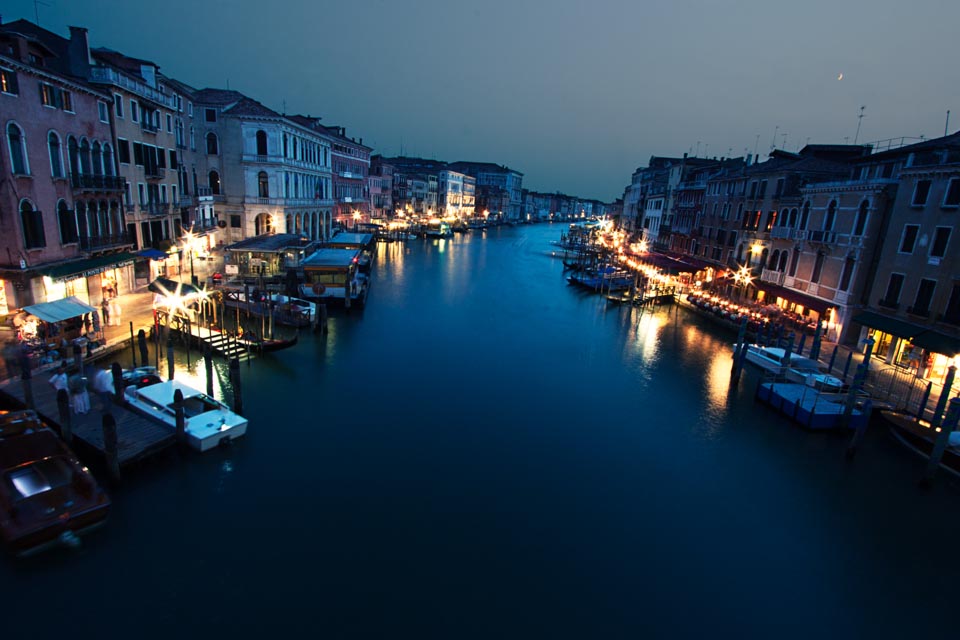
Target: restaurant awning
887,324
152,254
166,286
798,297
937,342
59,310
88,267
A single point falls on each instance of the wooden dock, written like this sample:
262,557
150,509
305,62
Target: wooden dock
137,436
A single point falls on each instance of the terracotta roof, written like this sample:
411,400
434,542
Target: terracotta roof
249,107
218,96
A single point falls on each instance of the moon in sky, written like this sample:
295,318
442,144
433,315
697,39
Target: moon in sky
840,77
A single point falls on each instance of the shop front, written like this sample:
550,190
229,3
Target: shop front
92,281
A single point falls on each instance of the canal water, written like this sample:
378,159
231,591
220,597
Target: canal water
485,451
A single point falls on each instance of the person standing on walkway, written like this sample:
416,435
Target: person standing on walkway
103,385
59,379
79,397
105,306
115,312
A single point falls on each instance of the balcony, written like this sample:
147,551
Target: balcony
155,208
106,75
772,276
102,243
186,201
822,237
154,173
96,183
888,304
781,233
129,207
847,240
148,127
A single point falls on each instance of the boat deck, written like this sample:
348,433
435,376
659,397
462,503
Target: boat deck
137,436
808,406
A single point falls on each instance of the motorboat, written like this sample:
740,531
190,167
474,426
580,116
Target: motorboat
920,437
208,422
797,369
47,497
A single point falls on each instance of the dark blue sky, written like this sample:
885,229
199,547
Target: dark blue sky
575,94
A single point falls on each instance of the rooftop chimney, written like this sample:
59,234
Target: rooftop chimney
78,53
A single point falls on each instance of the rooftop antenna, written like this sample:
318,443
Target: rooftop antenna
784,144
773,140
284,107
36,10
698,149
859,121
755,145
946,126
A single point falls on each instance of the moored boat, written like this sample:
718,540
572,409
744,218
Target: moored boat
208,422
47,497
920,437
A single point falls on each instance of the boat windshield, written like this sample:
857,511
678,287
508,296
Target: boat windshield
40,476
196,405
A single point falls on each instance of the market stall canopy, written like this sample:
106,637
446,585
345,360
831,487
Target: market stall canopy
59,310
166,286
152,254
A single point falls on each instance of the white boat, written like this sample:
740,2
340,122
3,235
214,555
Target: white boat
297,308
799,369
208,422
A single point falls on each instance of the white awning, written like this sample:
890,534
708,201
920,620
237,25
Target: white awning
59,309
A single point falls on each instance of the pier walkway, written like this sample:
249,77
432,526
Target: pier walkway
137,436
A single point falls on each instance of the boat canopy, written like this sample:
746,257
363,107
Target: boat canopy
59,310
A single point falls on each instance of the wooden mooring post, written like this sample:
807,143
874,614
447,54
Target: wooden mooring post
26,378
117,372
208,366
237,386
110,445
943,439
142,344
63,408
944,395
133,346
180,418
170,367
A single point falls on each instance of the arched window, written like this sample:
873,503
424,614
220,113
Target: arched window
261,143
97,160
818,267
56,156
73,156
68,224
214,178
32,223
262,224
212,146
84,157
860,224
18,151
263,184
793,218
848,266
80,214
805,216
103,218
107,159
92,225
116,219
782,267
831,216
774,260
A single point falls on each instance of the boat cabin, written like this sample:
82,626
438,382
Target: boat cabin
268,255
333,274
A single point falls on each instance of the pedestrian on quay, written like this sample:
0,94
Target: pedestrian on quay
59,379
115,312
105,306
103,385
79,397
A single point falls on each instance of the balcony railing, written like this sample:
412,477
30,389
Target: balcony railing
101,243
154,173
110,76
96,183
888,304
155,208
148,126
823,237
772,276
